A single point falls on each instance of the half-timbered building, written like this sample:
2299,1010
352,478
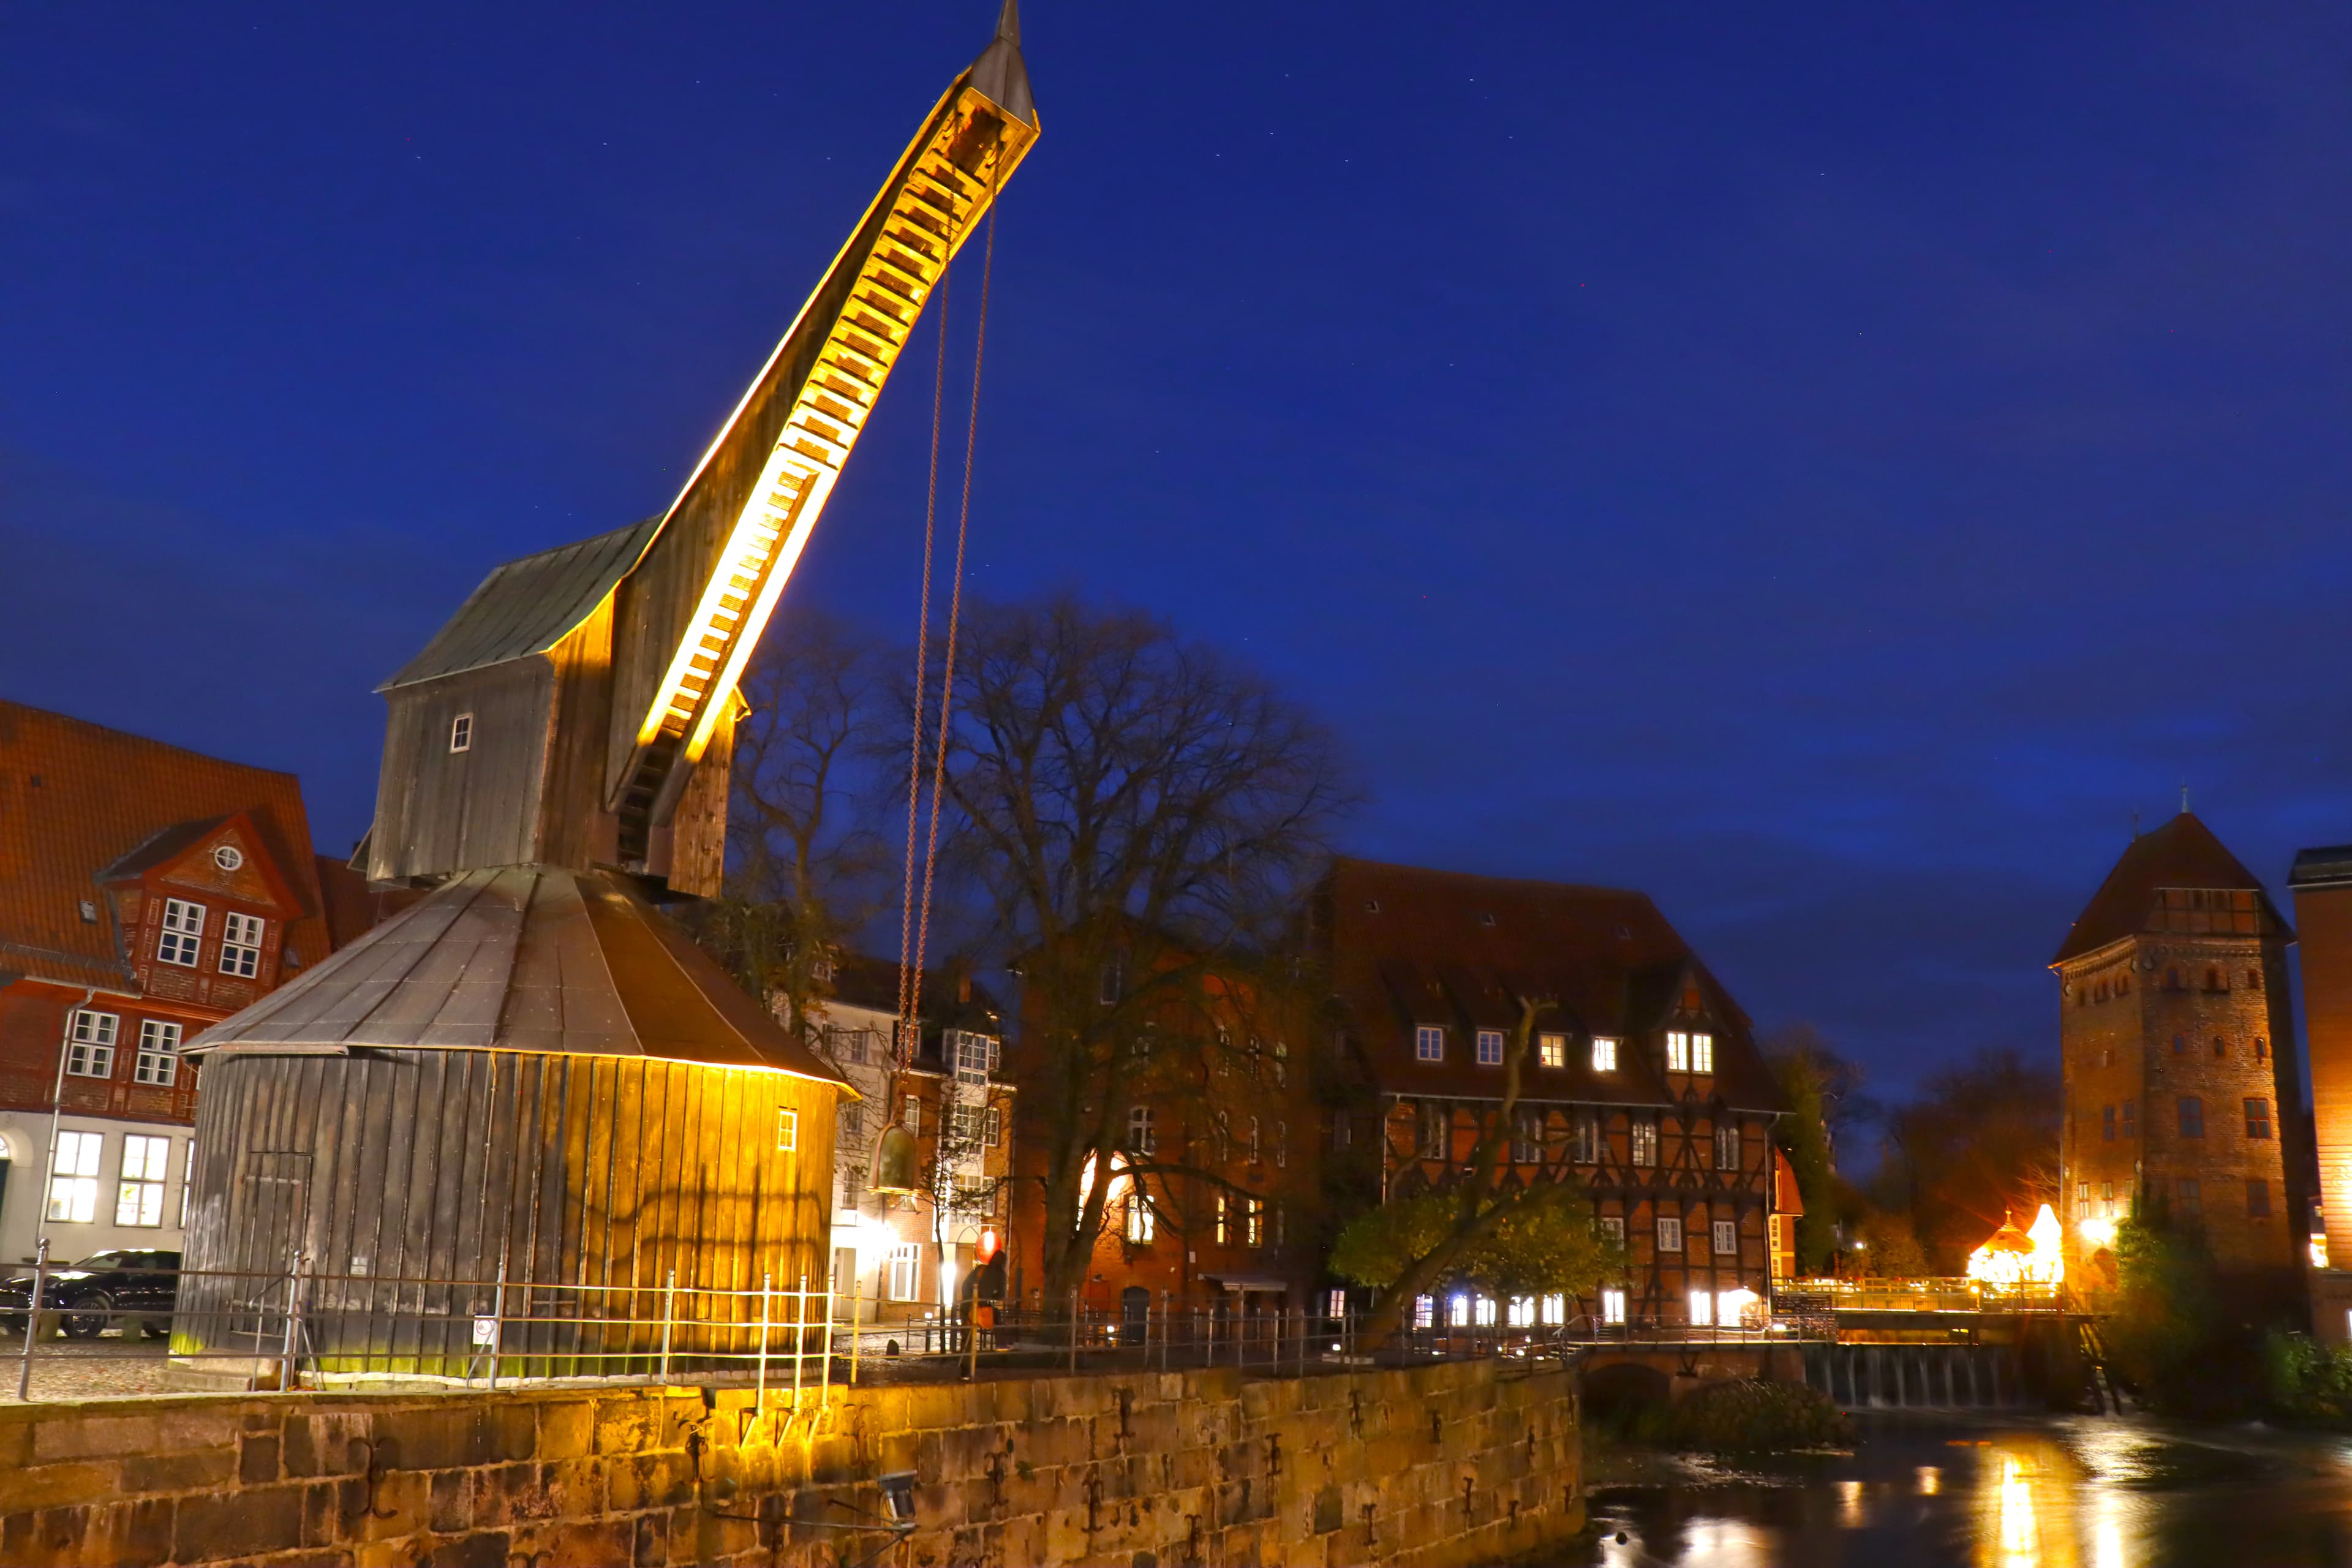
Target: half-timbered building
1643,1079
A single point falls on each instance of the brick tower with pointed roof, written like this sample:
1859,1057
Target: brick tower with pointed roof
2177,1042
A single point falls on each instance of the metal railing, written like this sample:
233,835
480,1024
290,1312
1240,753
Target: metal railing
1952,1294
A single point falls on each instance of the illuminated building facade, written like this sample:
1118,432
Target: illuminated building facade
2321,887
146,893
2176,1043
1643,1080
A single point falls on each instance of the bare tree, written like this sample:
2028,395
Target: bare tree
802,852
1140,815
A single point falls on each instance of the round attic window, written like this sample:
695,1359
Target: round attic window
228,857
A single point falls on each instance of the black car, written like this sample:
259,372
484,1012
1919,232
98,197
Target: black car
106,1288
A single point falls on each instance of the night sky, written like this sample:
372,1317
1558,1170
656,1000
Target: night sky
1827,466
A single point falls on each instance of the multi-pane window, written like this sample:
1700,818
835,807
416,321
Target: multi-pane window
1551,1051
1702,1308
788,1131
1254,1222
1424,1311
906,1270
182,933
2082,1200
964,1125
1670,1234
461,733
1613,1305
2258,1198
1604,1054
240,952
910,1114
1256,1142
2188,1199
1142,1136
1527,1136
159,1053
1437,1133
73,1177
2107,1122
90,1051
2131,1118
1646,1141
1490,1048
2192,1115
992,1128
1702,1051
1281,1063
146,1162
1727,1146
852,1120
1281,1144
2258,1118
1678,1051
2107,1200
975,1056
1139,1221
1612,1225
1587,1135
1429,1043
1726,1237
1224,1219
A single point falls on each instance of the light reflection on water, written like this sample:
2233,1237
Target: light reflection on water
2063,1493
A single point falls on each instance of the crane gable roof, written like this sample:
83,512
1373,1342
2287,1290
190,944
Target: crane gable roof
528,606
2183,853
1412,946
79,802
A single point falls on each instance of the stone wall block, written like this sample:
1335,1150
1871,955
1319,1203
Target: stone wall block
251,1522
567,1428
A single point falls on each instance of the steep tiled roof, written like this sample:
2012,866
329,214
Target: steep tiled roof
1411,946
2183,853
77,799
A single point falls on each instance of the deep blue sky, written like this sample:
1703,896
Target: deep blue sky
1826,465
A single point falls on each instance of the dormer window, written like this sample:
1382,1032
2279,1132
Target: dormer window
1604,1054
240,952
184,929
461,734
1702,1053
1689,1052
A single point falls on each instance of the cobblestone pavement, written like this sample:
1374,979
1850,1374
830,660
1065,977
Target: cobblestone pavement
108,1367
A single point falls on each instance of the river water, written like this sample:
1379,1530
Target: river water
2057,1492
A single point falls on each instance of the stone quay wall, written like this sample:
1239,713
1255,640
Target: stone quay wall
1473,1462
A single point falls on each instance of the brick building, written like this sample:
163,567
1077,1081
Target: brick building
2322,886
146,892
952,1095
1645,1080
2177,1042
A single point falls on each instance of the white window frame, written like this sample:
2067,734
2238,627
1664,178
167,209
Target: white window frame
1424,1311
74,1160
461,734
1429,1042
1554,1310
1645,1142
181,940
1702,1049
1527,1136
903,1271
240,952
1604,1053
138,1195
910,1116
1726,1239
158,1064
187,1182
89,1049
1551,1051
1728,1139
1585,1136
992,1128
1677,1050
1612,1225
1702,1308
1140,1221
975,1056
788,1131
1670,1235
1142,1130
1612,1304
1490,1048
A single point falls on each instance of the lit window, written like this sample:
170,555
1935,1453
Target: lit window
1485,1307
1551,1051
2192,1115
2082,1200
1519,1312
461,733
1281,1063
1702,1308
159,1054
1555,1309
1678,1051
1613,1305
1490,1048
1424,1311
145,1163
906,1270
91,1053
1726,1237
975,1056
1604,1054
1731,1306
2258,1118
73,1177
1612,1225
240,945
1670,1234
1646,1141
910,1114
1253,1221
788,1131
1142,1137
1138,1218
1460,1315
2107,1200
184,928
1429,1043
963,1125
1727,1146
1224,1219
1702,1050
1335,1304
1586,1133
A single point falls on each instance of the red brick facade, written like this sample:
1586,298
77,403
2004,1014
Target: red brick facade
2323,910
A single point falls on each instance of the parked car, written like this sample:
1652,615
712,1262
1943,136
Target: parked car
104,1290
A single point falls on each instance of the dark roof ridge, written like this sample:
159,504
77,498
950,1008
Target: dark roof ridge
139,740
1546,884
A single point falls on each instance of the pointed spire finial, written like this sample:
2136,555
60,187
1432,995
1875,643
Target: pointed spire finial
2184,783
1008,23
2134,823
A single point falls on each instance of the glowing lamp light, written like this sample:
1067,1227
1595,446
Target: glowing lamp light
2098,1232
986,1250
2019,1257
